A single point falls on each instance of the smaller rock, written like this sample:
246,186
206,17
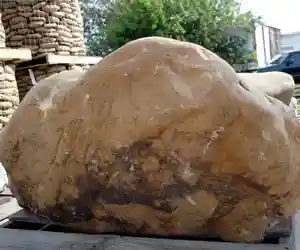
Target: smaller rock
276,84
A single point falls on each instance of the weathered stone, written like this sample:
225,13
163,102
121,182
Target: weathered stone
276,84
8,93
49,19
293,106
161,137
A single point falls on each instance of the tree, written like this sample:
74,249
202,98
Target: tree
203,22
94,12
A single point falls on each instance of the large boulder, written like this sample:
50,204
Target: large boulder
276,84
161,137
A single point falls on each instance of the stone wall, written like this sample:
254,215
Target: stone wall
44,26
54,26
40,72
9,98
2,33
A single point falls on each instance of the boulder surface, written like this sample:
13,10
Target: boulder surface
276,84
160,138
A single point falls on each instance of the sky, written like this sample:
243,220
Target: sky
284,15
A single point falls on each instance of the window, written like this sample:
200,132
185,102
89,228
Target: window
295,57
278,59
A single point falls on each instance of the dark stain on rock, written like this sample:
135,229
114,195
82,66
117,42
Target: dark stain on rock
15,153
122,226
244,85
140,191
76,210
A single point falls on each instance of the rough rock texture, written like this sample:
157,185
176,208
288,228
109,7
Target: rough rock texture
293,106
9,96
49,26
161,137
40,72
276,84
2,33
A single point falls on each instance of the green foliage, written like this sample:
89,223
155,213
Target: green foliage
204,22
94,12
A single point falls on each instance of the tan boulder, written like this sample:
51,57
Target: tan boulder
276,84
161,137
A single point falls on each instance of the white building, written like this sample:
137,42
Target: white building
267,43
264,40
290,41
